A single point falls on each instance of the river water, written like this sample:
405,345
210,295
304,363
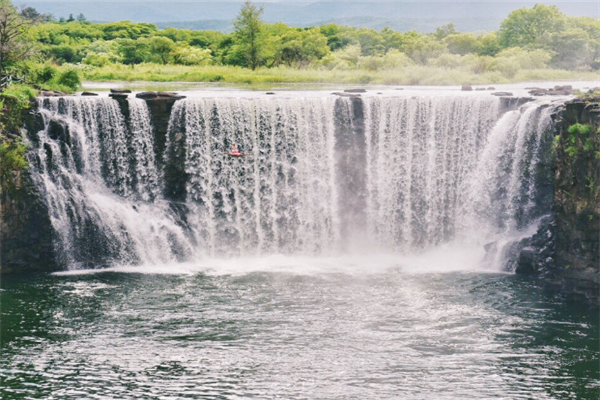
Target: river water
426,327
343,259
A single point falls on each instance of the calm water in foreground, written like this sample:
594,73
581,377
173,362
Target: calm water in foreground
294,329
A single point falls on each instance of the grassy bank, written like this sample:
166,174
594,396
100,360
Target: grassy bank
410,75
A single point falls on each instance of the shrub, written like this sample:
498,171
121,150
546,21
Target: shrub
97,59
70,78
12,161
579,129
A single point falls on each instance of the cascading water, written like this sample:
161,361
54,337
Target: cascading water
324,175
94,176
282,197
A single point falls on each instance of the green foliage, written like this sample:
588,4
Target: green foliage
132,51
15,44
531,43
14,100
251,41
188,55
572,151
579,129
161,47
20,96
591,184
12,162
69,78
529,26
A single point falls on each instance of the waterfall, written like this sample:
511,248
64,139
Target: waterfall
95,175
323,175
281,198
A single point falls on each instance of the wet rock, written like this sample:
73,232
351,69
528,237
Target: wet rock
170,95
502,94
399,88
566,88
341,94
51,93
118,96
538,92
120,91
159,96
480,88
526,263
271,93
491,88
358,90
89,94
466,88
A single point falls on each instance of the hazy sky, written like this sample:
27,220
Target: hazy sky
309,1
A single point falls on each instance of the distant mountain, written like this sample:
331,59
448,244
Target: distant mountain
467,15
204,25
424,25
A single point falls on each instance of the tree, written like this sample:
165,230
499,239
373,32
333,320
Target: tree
463,43
442,31
249,34
162,47
14,45
81,18
132,51
529,27
301,47
71,18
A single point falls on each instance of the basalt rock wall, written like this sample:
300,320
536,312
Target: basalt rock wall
577,197
26,241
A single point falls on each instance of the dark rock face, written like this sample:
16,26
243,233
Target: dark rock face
160,105
25,231
577,199
566,249
351,157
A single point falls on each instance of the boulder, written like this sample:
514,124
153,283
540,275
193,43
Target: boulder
118,96
89,94
270,93
159,96
480,88
526,262
466,88
51,93
538,92
491,88
355,91
502,94
345,94
120,91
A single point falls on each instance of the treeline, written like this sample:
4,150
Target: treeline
528,38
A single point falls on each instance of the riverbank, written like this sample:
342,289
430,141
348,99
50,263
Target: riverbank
410,75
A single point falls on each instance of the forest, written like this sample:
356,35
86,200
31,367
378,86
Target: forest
532,43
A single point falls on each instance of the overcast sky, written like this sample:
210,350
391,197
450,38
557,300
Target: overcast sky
307,1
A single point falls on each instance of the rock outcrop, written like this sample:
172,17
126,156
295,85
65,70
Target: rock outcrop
566,249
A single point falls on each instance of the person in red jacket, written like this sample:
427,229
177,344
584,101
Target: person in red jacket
235,152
